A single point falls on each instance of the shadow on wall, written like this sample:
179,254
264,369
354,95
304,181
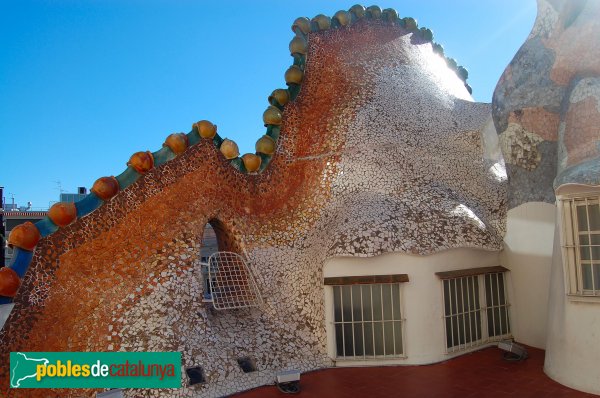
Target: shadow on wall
528,254
218,237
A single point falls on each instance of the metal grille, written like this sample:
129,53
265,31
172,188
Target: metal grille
368,321
231,282
474,316
587,241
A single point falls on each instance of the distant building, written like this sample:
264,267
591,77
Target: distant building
11,220
12,215
74,197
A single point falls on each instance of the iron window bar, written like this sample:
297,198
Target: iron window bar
476,310
230,283
581,244
363,315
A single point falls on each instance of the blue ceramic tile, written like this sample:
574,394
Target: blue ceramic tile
46,227
128,177
20,261
162,156
87,205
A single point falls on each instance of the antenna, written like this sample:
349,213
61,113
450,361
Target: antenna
59,186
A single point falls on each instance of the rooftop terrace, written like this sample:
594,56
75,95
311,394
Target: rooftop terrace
480,374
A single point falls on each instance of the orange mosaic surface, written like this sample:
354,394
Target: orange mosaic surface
537,120
119,278
550,88
91,265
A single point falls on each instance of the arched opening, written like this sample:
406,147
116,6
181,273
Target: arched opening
228,282
217,237
209,244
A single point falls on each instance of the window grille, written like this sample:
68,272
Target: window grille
230,282
474,316
581,241
368,321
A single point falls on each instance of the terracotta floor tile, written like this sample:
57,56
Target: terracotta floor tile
481,374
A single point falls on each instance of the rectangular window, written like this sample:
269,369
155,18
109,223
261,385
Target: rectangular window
368,320
475,309
581,242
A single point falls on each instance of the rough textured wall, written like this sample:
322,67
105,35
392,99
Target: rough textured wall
381,151
546,106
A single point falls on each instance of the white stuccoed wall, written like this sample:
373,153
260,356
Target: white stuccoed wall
422,301
572,346
528,246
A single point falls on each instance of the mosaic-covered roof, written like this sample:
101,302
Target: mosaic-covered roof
25,237
374,147
547,103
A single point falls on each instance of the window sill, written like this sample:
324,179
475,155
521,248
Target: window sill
398,360
579,298
365,279
460,273
479,346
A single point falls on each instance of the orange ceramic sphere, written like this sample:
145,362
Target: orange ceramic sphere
343,17
178,142
358,10
322,21
298,45
272,116
294,75
374,11
281,95
9,282
303,24
105,187
390,14
24,236
229,149
62,213
251,162
142,162
265,145
206,129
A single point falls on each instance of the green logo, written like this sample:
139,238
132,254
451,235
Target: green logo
95,369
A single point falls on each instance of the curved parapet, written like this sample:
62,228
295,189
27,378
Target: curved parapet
375,147
105,188
545,106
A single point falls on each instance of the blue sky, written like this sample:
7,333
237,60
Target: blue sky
85,84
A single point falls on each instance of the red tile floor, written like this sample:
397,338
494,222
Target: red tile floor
480,374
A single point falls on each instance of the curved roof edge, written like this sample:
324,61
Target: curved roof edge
25,237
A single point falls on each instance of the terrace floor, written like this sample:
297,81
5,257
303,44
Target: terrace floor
480,374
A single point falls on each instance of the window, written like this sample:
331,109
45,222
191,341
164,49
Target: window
367,317
476,307
581,243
